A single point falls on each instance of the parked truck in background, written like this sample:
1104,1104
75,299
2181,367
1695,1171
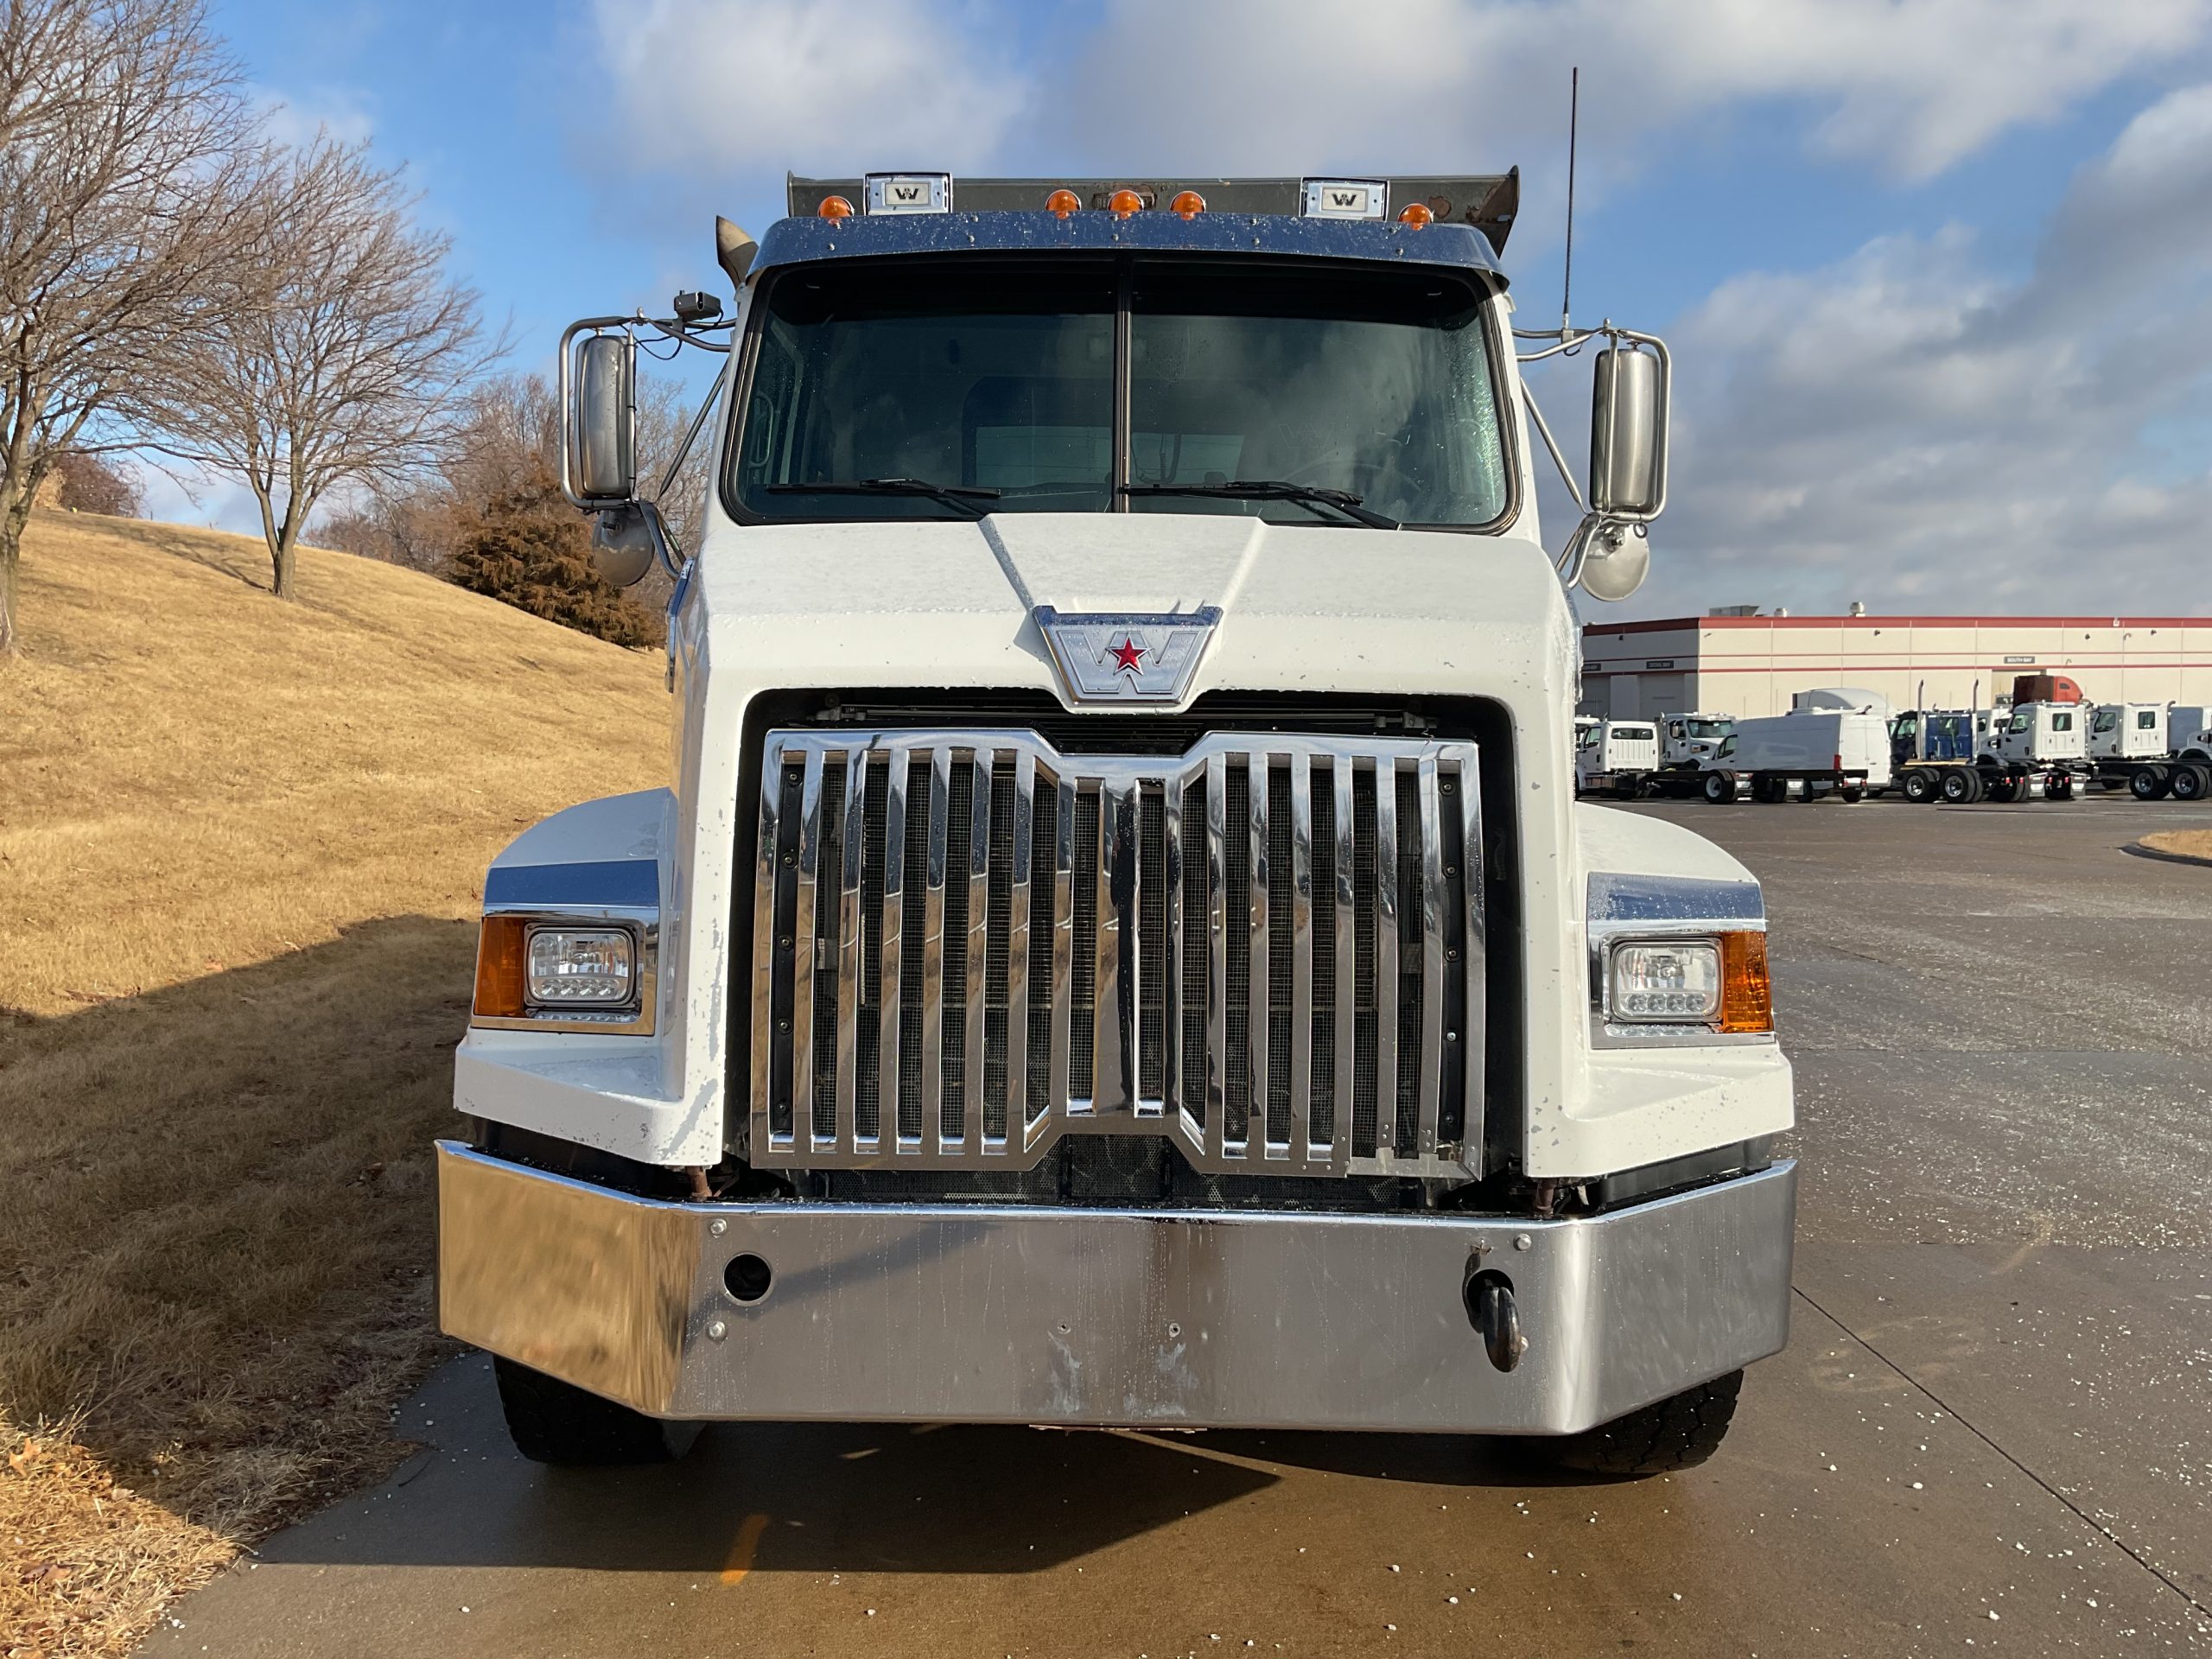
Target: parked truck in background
1120,946
1614,757
1833,741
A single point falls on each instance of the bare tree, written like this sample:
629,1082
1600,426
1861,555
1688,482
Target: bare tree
356,367
131,176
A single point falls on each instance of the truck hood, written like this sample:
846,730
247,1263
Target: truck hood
951,604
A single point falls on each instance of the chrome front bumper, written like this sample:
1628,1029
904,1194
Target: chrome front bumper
1188,1319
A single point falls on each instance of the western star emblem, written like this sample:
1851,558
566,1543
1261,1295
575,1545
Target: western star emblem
1117,657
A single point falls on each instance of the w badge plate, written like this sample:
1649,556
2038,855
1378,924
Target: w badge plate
1136,659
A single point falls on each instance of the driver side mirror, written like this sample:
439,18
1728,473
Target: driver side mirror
601,420
1628,430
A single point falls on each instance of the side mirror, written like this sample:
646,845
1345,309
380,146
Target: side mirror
601,419
1628,430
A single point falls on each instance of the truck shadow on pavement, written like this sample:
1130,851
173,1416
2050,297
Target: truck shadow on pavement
819,1499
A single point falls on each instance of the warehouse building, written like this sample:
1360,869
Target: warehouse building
1745,665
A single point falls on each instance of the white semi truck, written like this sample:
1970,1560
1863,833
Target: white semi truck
1120,946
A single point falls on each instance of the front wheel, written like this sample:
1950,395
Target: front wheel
1680,1432
553,1422
1720,787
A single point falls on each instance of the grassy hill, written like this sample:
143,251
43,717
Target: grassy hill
241,845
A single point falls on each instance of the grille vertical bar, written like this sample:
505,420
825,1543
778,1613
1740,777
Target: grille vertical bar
967,945
848,947
1386,956
1301,961
929,1126
1015,1113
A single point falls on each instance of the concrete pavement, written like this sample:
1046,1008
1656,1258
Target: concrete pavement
1993,1429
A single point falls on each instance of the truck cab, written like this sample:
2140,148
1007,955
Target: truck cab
1691,741
1119,945
2129,731
1615,754
2041,732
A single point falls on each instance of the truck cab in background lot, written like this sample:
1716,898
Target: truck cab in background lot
1120,946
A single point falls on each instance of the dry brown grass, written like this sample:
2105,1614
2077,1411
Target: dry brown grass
2182,844
240,846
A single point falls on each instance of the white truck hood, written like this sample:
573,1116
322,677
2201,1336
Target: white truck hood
1318,608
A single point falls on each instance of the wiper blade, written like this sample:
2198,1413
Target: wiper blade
1272,489
963,496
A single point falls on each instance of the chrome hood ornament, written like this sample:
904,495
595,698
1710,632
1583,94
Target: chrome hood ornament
1108,657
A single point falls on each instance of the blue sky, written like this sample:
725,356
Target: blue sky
1929,266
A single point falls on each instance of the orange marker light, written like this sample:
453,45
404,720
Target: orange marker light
835,207
498,969
1123,202
1746,996
1063,202
1415,214
1189,203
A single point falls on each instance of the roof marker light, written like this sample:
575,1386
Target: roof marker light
1063,202
833,208
1124,202
1414,214
1188,203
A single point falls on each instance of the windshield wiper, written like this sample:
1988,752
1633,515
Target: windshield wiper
1272,489
963,496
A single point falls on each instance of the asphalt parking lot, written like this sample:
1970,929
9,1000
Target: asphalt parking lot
1992,1430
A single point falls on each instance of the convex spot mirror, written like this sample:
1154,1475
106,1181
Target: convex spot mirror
623,545
1628,432
1616,563
603,418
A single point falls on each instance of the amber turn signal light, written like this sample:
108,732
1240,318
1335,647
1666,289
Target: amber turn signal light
1188,203
499,968
1416,214
1746,996
835,207
1062,203
1123,202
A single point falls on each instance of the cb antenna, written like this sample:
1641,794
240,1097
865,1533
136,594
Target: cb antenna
1566,281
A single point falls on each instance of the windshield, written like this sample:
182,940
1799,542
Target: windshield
2019,723
1711,727
2105,720
998,376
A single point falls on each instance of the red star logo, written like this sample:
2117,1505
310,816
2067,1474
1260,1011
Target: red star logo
1125,655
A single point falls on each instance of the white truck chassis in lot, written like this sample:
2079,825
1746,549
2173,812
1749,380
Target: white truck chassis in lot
1122,947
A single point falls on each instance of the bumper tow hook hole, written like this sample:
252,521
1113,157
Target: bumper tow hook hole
747,1278
1495,1318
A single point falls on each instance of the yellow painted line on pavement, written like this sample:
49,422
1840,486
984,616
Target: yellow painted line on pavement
740,1559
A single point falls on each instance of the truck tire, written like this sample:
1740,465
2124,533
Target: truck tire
553,1422
1922,787
2190,783
2004,791
1961,785
1851,794
1720,787
2061,788
2147,783
1679,1432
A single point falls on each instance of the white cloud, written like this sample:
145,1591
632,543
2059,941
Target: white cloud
1275,85
812,85
1906,427
336,110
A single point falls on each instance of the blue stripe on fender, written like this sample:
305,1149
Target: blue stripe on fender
632,881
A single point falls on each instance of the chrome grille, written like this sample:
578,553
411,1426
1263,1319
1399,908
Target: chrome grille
1268,948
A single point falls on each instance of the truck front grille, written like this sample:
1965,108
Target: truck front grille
1268,948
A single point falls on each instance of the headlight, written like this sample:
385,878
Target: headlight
1677,980
1719,982
590,967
